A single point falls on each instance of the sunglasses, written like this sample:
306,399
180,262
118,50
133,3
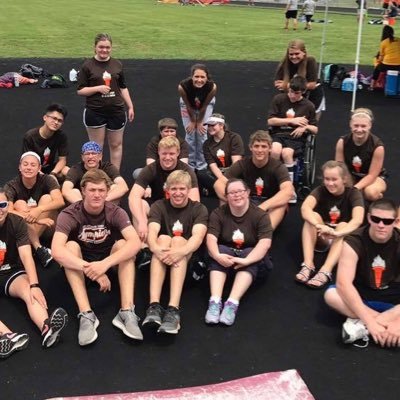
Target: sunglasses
3,204
386,221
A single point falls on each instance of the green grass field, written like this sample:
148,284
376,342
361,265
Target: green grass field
144,29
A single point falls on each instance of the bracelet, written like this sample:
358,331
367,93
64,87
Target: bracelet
34,285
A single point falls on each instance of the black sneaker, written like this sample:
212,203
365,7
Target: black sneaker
11,342
171,321
43,255
154,314
143,259
53,326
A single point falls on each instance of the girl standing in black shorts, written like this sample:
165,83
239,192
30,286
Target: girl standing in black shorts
108,102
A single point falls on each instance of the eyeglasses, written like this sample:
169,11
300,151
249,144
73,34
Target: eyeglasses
386,221
55,119
236,192
90,153
3,204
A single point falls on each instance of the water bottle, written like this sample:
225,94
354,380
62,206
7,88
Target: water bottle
73,75
16,80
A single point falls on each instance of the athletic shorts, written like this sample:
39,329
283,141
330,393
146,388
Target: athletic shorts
92,257
257,270
7,275
291,14
308,18
288,141
113,122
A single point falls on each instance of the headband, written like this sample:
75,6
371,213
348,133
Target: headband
31,153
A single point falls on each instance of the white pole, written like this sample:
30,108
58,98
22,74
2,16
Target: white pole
321,55
357,61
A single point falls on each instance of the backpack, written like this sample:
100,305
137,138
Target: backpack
329,72
54,81
31,71
338,78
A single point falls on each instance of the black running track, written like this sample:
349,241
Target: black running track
280,325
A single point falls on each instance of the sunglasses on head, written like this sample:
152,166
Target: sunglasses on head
386,221
3,204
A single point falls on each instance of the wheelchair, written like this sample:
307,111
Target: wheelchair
304,171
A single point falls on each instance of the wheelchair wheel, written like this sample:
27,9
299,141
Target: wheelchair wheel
310,162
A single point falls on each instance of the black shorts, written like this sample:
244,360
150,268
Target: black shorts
308,18
113,122
291,14
288,141
7,275
317,97
257,270
90,256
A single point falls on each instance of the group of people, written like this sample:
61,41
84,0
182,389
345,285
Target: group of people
171,231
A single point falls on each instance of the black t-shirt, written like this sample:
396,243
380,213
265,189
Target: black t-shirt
335,209
196,96
178,221
378,263
263,182
240,232
77,171
13,234
221,152
154,176
48,149
91,74
16,190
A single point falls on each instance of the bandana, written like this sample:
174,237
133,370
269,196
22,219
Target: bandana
91,147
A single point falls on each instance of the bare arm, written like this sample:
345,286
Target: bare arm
182,93
257,254
128,102
374,169
194,194
118,189
70,193
357,218
339,152
219,187
281,198
61,163
209,97
215,170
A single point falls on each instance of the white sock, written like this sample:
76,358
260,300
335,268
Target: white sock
236,302
215,299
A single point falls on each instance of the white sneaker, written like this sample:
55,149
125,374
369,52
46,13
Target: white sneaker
354,329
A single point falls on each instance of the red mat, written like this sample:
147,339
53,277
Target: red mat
284,385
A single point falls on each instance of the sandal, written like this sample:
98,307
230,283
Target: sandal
321,279
305,272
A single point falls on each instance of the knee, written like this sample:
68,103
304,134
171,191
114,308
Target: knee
372,193
20,206
45,199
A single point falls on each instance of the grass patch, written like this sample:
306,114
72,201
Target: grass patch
144,29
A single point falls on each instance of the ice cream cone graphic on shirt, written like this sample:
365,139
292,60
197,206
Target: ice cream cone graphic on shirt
356,163
221,157
334,215
238,238
177,228
3,251
378,266
46,155
259,186
31,202
107,78
166,191
290,113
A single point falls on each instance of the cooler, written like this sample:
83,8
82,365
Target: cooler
348,84
391,85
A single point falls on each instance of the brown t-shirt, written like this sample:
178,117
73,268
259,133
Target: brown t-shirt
154,176
375,259
358,158
13,234
95,234
240,232
263,182
48,149
152,147
16,190
178,221
221,152
196,96
91,74
77,171
335,209
311,70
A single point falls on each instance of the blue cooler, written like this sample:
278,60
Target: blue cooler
348,84
391,84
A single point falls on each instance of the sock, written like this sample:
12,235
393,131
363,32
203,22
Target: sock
233,301
290,168
215,299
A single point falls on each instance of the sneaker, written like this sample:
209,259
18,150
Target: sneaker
88,324
213,312
154,314
127,321
354,329
293,199
11,342
228,314
171,321
53,326
43,255
143,258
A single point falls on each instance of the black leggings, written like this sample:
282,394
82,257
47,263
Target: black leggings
383,68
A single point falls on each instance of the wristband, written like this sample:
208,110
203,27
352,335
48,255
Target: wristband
34,285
